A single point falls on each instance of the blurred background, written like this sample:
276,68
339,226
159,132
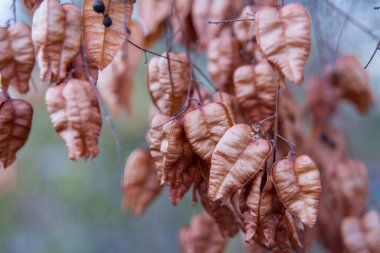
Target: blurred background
50,204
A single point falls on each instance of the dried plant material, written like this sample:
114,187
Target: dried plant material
222,215
17,56
205,126
351,186
166,143
255,89
15,124
168,82
202,235
237,157
284,37
56,35
181,22
230,101
362,235
115,85
32,5
322,100
251,207
153,13
78,69
298,185
245,30
102,43
140,184
75,115
222,59
351,81
253,247
213,10
271,213
326,146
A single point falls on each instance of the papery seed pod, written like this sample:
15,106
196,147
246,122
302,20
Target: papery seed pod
166,143
237,157
255,89
251,203
102,43
15,124
31,5
222,215
17,56
222,59
284,37
230,101
56,35
153,14
205,126
245,30
201,236
351,186
322,100
298,186
181,22
78,69
204,11
75,115
140,184
351,81
362,234
168,82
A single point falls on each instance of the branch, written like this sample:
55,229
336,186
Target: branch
373,55
230,21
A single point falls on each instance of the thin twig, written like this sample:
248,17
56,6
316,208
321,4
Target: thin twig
276,121
230,21
373,55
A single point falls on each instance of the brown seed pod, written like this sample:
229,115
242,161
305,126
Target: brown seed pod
32,5
351,186
102,43
245,30
166,143
255,89
17,56
222,215
153,14
75,115
205,126
140,184
222,59
202,235
298,186
351,81
362,235
230,101
168,82
237,157
15,124
56,35
181,22
284,37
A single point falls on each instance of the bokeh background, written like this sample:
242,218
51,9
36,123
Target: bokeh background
50,204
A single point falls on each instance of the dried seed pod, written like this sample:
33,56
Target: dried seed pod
205,126
32,5
362,235
17,56
230,101
15,124
222,215
153,14
322,100
255,89
140,184
351,81
78,70
237,157
251,207
102,43
204,11
181,22
201,236
222,59
298,186
166,143
284,37
351,186
245,30
75,115
168,82
56,35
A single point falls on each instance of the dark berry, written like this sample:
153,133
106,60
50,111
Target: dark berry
98,6
107,21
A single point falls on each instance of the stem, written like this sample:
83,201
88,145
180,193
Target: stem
230,21
373,55
276,121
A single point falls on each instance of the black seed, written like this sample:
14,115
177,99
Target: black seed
98,6
107,21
